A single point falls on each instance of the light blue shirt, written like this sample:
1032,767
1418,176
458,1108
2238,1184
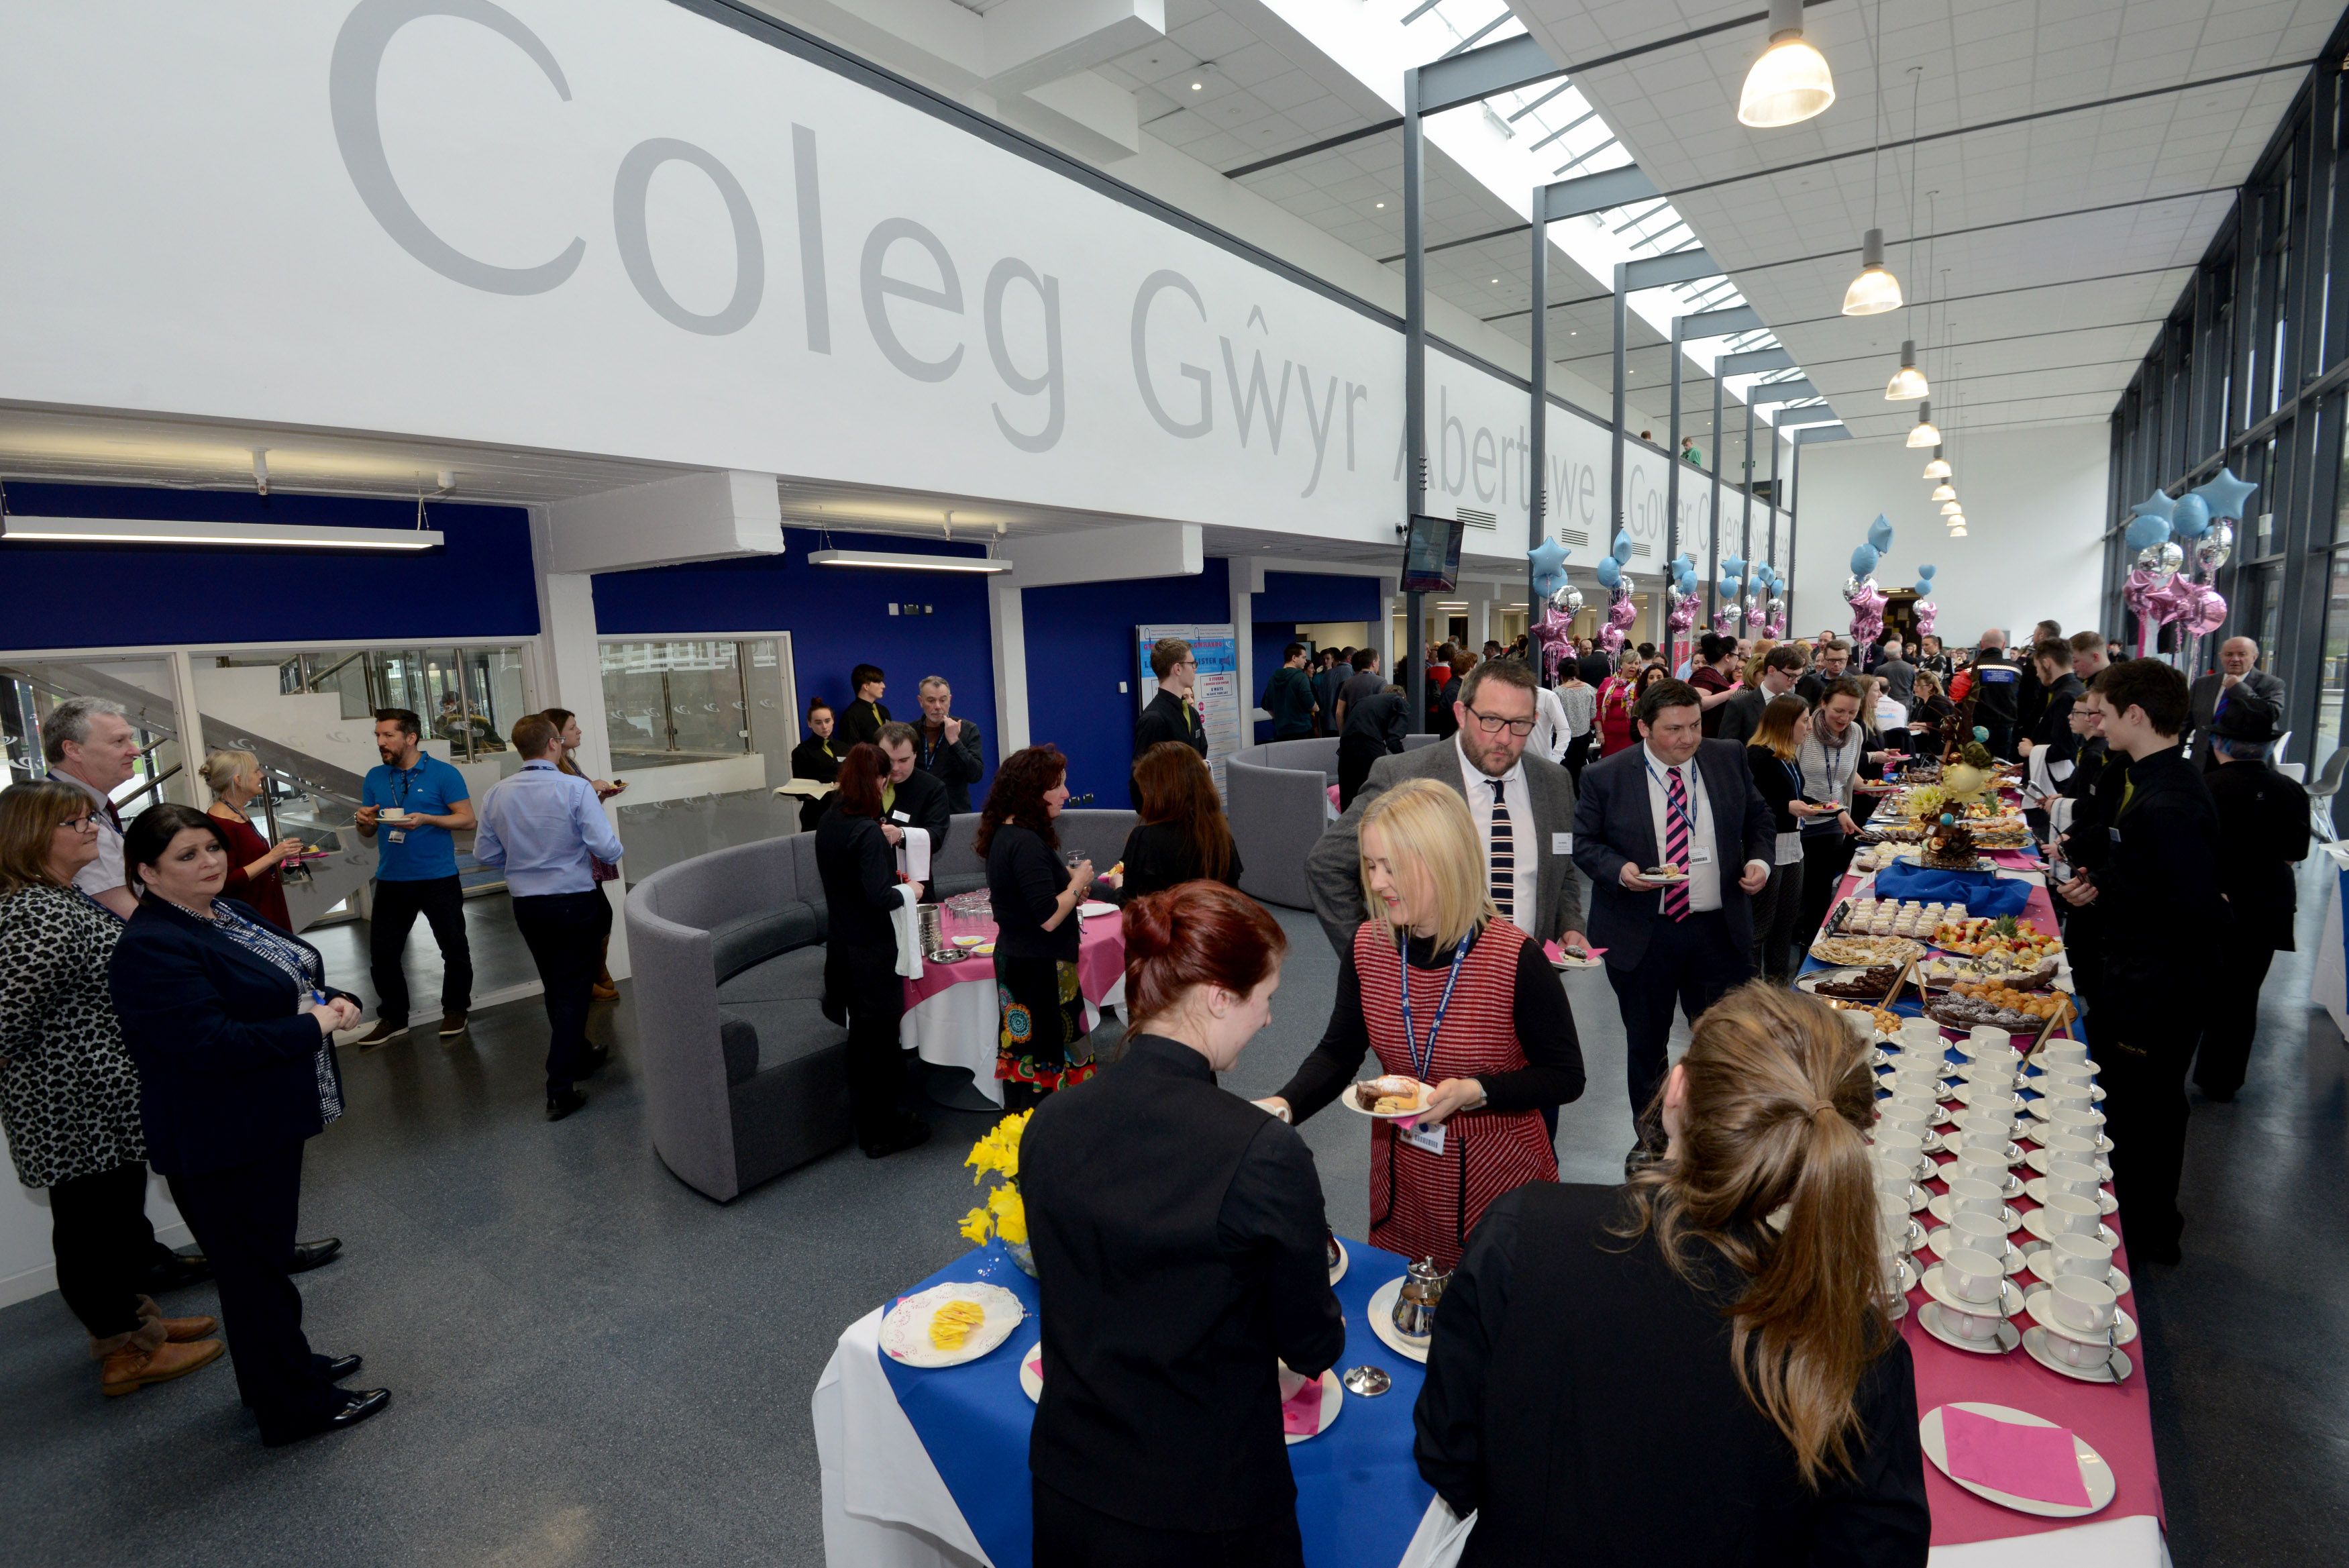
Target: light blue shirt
541,825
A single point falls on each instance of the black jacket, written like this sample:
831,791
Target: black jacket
1997,691
2202,706
1025,876
813,758
2264,830
1595,667
228,1071
956,766
1613,823
921,802
1165,718
859,870
2161,876
1567,1360
1380,721
1160,855
2054,729
1179,1238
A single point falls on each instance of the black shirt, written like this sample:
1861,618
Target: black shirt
861,722
859,870
2264,830
2161,876
1169,717
1544,1027
1381,719
1024,878
1160,855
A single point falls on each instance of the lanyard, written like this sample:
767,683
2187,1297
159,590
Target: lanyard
1421,1064
407,777
1794,776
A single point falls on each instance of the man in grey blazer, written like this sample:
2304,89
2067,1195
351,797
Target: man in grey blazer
2237,679
1523,807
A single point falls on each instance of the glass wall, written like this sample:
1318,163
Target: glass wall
696,701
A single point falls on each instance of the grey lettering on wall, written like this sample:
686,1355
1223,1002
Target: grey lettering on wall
877,287
812,276
351,77
1150,290
628,188
1321,427
1258,392
1048,289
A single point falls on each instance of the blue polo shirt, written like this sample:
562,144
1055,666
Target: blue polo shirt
424,852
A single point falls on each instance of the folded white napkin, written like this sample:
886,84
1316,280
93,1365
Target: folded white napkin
914,855
910,926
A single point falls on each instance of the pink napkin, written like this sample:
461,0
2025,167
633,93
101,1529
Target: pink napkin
1550,950
2036,1462
1301,1413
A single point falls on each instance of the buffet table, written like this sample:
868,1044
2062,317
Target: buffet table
953,1015
2328,985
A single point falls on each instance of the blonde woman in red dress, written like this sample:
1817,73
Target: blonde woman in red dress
1444,991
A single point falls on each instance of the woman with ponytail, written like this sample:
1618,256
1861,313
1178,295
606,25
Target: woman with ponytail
1179,1241
1657,1372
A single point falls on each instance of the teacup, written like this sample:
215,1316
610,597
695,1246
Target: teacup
1972,1194
2070,1215
1905,1114
1921,1035
1985,1158
2082,1305
1989,1070
2062,1145
1996,1126
2075,1177
2078,1352
2075,1120
1982,1232
1974,1278
2071,1091
1994,1096
1861,1025
1986,1038
1903,1149
2090,1257
1892,1221
2060,1050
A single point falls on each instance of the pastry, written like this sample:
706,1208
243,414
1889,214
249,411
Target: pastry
951,1323
1387,1096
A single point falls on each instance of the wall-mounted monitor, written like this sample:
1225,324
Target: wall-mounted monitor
1431,555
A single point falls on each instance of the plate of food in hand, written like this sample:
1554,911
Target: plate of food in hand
1865,952
948,1324
1968,1003
1387,1097
1665,873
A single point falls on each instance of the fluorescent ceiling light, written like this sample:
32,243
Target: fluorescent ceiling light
907,563
1791,82
159,531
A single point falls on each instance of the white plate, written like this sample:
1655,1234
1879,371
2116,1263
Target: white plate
2037,1302
1096,907
1345,1260
1333,1396
906,1330
2033,1253
2039,1160
2034,1340
968,939
1942,1208
2095,1475
2036,1189
1937,1243
2006,1340
2035,1222
1031,1371
1346,1098
1937,1286
1383,1305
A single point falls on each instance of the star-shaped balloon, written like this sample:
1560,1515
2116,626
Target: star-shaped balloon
2225,495
1880,534
1548,559
2155,505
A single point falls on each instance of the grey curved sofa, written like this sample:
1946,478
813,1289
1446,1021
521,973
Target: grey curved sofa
1277,798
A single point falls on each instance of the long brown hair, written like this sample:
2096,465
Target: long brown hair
860,772
1777,1100
1016,798
30,815
560,717
1175,785
1777,729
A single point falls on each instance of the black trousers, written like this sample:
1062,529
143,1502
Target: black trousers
441,902
865,982
1071,1535
104,1245
565,933
1825,857
2141,1052
1355,756
2233,1016
1690,962
243,1219
1577,755
1777,908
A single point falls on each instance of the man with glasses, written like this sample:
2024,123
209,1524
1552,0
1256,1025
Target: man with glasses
1172,714
89,743
1523,807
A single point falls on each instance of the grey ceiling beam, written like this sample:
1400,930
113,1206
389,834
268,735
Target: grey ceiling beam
1679,267
1593,194
1792,391
1478,74
1751,361
1723,322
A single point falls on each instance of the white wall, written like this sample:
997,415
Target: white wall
2034,502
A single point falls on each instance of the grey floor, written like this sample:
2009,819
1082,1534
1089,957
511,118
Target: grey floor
593,1365
501,960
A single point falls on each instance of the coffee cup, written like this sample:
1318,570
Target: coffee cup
2088,1256
2082,1305
1904,1147
1988,1039
2079,1352
2070,1215
2074,1119
1982,1232
1985,1158
1903,1113
1974,1278
1994,1096
2061,1049
1996,1126
2071,1093
2075,1177
1988,1070
2062,1145
1861,1025
1892,1221
1972,1194
1921,1035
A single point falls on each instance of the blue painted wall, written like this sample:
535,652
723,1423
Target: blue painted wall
1290,597
838,617
481,584
1080,644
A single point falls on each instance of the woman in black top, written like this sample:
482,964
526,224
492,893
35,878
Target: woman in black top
854,856
1182,836
2263,831
1041,1043
815,759
1599,1348
1777,908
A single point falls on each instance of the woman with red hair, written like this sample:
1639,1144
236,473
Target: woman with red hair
1041,1045
1180,1252
855,857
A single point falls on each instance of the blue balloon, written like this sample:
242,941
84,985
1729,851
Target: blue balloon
1733,567
2155,505
2192,518
1610,571
2145,530
1863,559
2225,495
1880,534
1623,546
1924,589
1924,572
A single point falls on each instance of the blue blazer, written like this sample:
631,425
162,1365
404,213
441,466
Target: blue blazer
227,1069
1614,825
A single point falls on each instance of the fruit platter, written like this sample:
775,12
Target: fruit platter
1978,938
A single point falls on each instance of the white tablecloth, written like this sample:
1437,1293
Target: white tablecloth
2328,985
957,1028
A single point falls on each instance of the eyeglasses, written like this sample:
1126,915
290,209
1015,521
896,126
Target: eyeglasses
81,824
1491,725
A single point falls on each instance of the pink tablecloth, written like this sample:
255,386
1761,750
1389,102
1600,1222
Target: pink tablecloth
2114,1420
1101,964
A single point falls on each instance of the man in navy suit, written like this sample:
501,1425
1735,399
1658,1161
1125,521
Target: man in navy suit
1679,800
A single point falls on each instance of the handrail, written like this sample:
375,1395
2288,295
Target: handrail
311,685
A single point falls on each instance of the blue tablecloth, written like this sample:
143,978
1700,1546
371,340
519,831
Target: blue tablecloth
1984,894
1359,1494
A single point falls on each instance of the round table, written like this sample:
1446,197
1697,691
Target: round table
953,1014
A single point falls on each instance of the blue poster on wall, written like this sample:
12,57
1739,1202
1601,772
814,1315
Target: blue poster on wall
1217,694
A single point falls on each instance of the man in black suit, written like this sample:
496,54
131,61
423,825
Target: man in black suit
1681,799
945,747
1374,728
2031,692
1595,667
912,799
2263,832
1740,716
1171,715
2237,679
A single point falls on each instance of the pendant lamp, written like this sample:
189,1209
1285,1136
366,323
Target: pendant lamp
1875,290
1908,383
1791,82
1937,468
1923,434
1950,508
1944,491
1958,531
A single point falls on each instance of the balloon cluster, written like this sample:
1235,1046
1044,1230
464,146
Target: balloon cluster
2161,587
1860,590
1547,632
1926,609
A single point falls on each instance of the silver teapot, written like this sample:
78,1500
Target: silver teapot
1415,1308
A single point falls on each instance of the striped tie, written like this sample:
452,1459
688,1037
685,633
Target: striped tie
1502,865
1676,841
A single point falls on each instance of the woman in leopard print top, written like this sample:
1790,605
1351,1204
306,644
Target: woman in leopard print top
69,1092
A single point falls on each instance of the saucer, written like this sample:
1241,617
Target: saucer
2042,1109
2036,1298
1936,1284
1930,1318
1917,1198
2014,1183
2036,1224
2036,1188
1955,1140
2039,1160
1942,1207
1381,1314
2034,1340
2037,1250
1916,1238
1937,1243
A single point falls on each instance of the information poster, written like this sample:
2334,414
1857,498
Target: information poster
1217,693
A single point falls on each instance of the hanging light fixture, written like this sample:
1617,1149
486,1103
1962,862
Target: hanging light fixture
1875,290
1958,528
1938,469
1943,491
1950,508
1923,434
1908,383
1791,82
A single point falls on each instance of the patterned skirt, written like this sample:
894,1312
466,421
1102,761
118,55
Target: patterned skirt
1043,1024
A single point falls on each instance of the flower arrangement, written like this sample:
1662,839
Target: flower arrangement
1004,1213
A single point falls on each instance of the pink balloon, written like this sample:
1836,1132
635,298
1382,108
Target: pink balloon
1622,613
1610,638
2209,611
2137,593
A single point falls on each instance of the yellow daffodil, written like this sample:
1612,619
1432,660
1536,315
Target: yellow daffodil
1010,1213
976,1226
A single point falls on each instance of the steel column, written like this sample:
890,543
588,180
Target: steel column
1538,431
1672,484
1415,380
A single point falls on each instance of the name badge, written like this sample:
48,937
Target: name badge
1699,855
1561,844
2116,832
1429,1140
398,836
899,817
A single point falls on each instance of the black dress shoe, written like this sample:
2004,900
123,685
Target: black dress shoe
360,1405
596,1061
910,1133
338,1367
559,1106
308,1255
171,1270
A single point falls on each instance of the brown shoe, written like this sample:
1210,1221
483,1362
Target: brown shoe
603,992
382,1035
183,1330
129,1369
452,1024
